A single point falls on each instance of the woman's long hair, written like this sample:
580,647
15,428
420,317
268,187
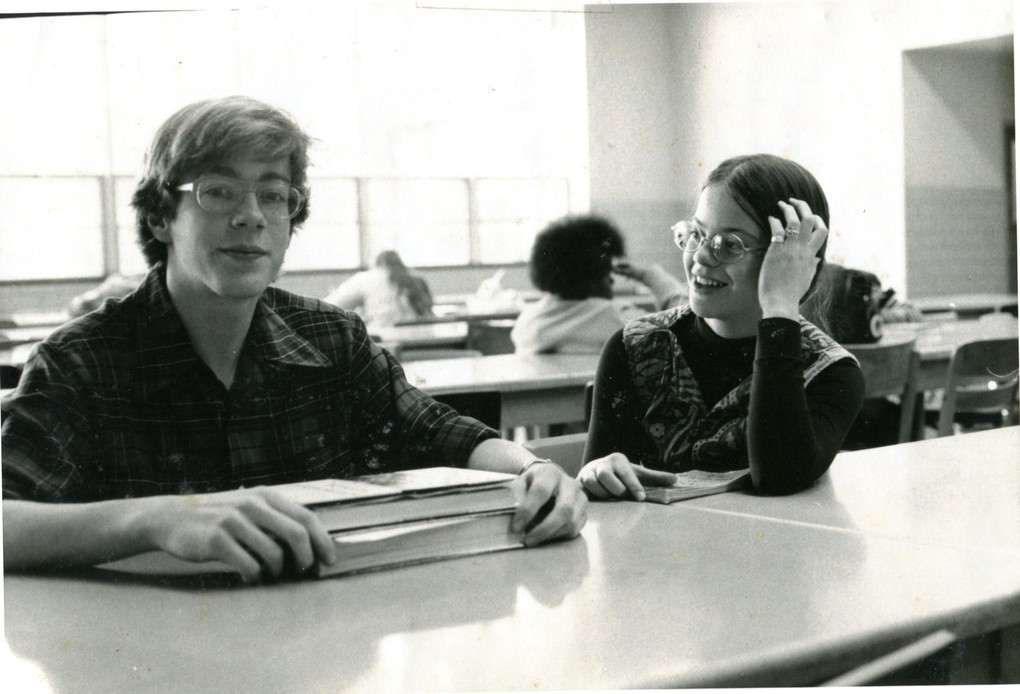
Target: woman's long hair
414,288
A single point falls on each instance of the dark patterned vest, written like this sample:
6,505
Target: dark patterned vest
688,434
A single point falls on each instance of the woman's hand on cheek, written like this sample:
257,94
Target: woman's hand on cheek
790,262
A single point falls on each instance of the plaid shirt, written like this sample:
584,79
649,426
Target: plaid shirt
118,404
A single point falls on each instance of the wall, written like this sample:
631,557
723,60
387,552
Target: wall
818,82
958,100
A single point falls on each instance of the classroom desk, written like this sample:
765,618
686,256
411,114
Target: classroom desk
537,389
25,335
735,590
936,341
423,335
464,311
967,304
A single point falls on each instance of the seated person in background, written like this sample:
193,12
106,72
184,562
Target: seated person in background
151,423
572,263
851,306
113,287
737,378
385,294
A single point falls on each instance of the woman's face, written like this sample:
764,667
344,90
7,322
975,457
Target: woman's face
726,296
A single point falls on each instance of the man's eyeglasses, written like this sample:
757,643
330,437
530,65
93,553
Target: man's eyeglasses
224,195
726,248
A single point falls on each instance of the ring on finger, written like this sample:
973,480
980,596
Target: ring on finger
778,238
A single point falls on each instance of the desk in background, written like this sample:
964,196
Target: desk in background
422,335
537,389
464,308
733,590
936,341
967,304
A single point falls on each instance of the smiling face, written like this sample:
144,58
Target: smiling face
726,296
231,256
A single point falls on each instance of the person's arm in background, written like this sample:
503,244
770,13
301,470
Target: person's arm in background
350,294
667,289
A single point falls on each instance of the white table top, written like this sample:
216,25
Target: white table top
502,372
961,491
936,340
985,301
683,595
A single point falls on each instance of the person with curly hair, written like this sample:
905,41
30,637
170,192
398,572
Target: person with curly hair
572,263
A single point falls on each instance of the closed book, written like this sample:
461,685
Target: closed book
401,497
370,549
695,483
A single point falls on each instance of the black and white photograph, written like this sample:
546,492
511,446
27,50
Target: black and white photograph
497,346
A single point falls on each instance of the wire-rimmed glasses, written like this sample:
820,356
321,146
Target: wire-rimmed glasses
223,195
725,247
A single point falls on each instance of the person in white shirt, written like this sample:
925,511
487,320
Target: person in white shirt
385,294
572,263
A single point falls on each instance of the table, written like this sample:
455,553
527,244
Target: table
466,308
537,389
732,590
936,341
418,335
971,304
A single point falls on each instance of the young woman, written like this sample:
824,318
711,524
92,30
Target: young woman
385,294
737,378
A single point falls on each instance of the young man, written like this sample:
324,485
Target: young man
156,419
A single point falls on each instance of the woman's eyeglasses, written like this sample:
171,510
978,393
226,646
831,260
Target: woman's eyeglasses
725,247
221,195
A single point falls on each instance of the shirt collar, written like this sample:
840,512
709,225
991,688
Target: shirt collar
165,350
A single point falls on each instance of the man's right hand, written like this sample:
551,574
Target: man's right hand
252,530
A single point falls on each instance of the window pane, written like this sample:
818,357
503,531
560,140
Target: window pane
50,228
426,221
512,211
329,237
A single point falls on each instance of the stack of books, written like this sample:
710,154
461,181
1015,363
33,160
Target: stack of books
388,520
412,516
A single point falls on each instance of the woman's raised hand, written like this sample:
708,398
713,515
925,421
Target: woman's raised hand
790,262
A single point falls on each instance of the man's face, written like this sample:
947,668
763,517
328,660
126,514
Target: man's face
232,255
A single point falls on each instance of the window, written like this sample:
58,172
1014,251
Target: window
452,136
52,228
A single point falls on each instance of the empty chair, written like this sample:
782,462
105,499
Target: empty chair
981,385
491,336
890,369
